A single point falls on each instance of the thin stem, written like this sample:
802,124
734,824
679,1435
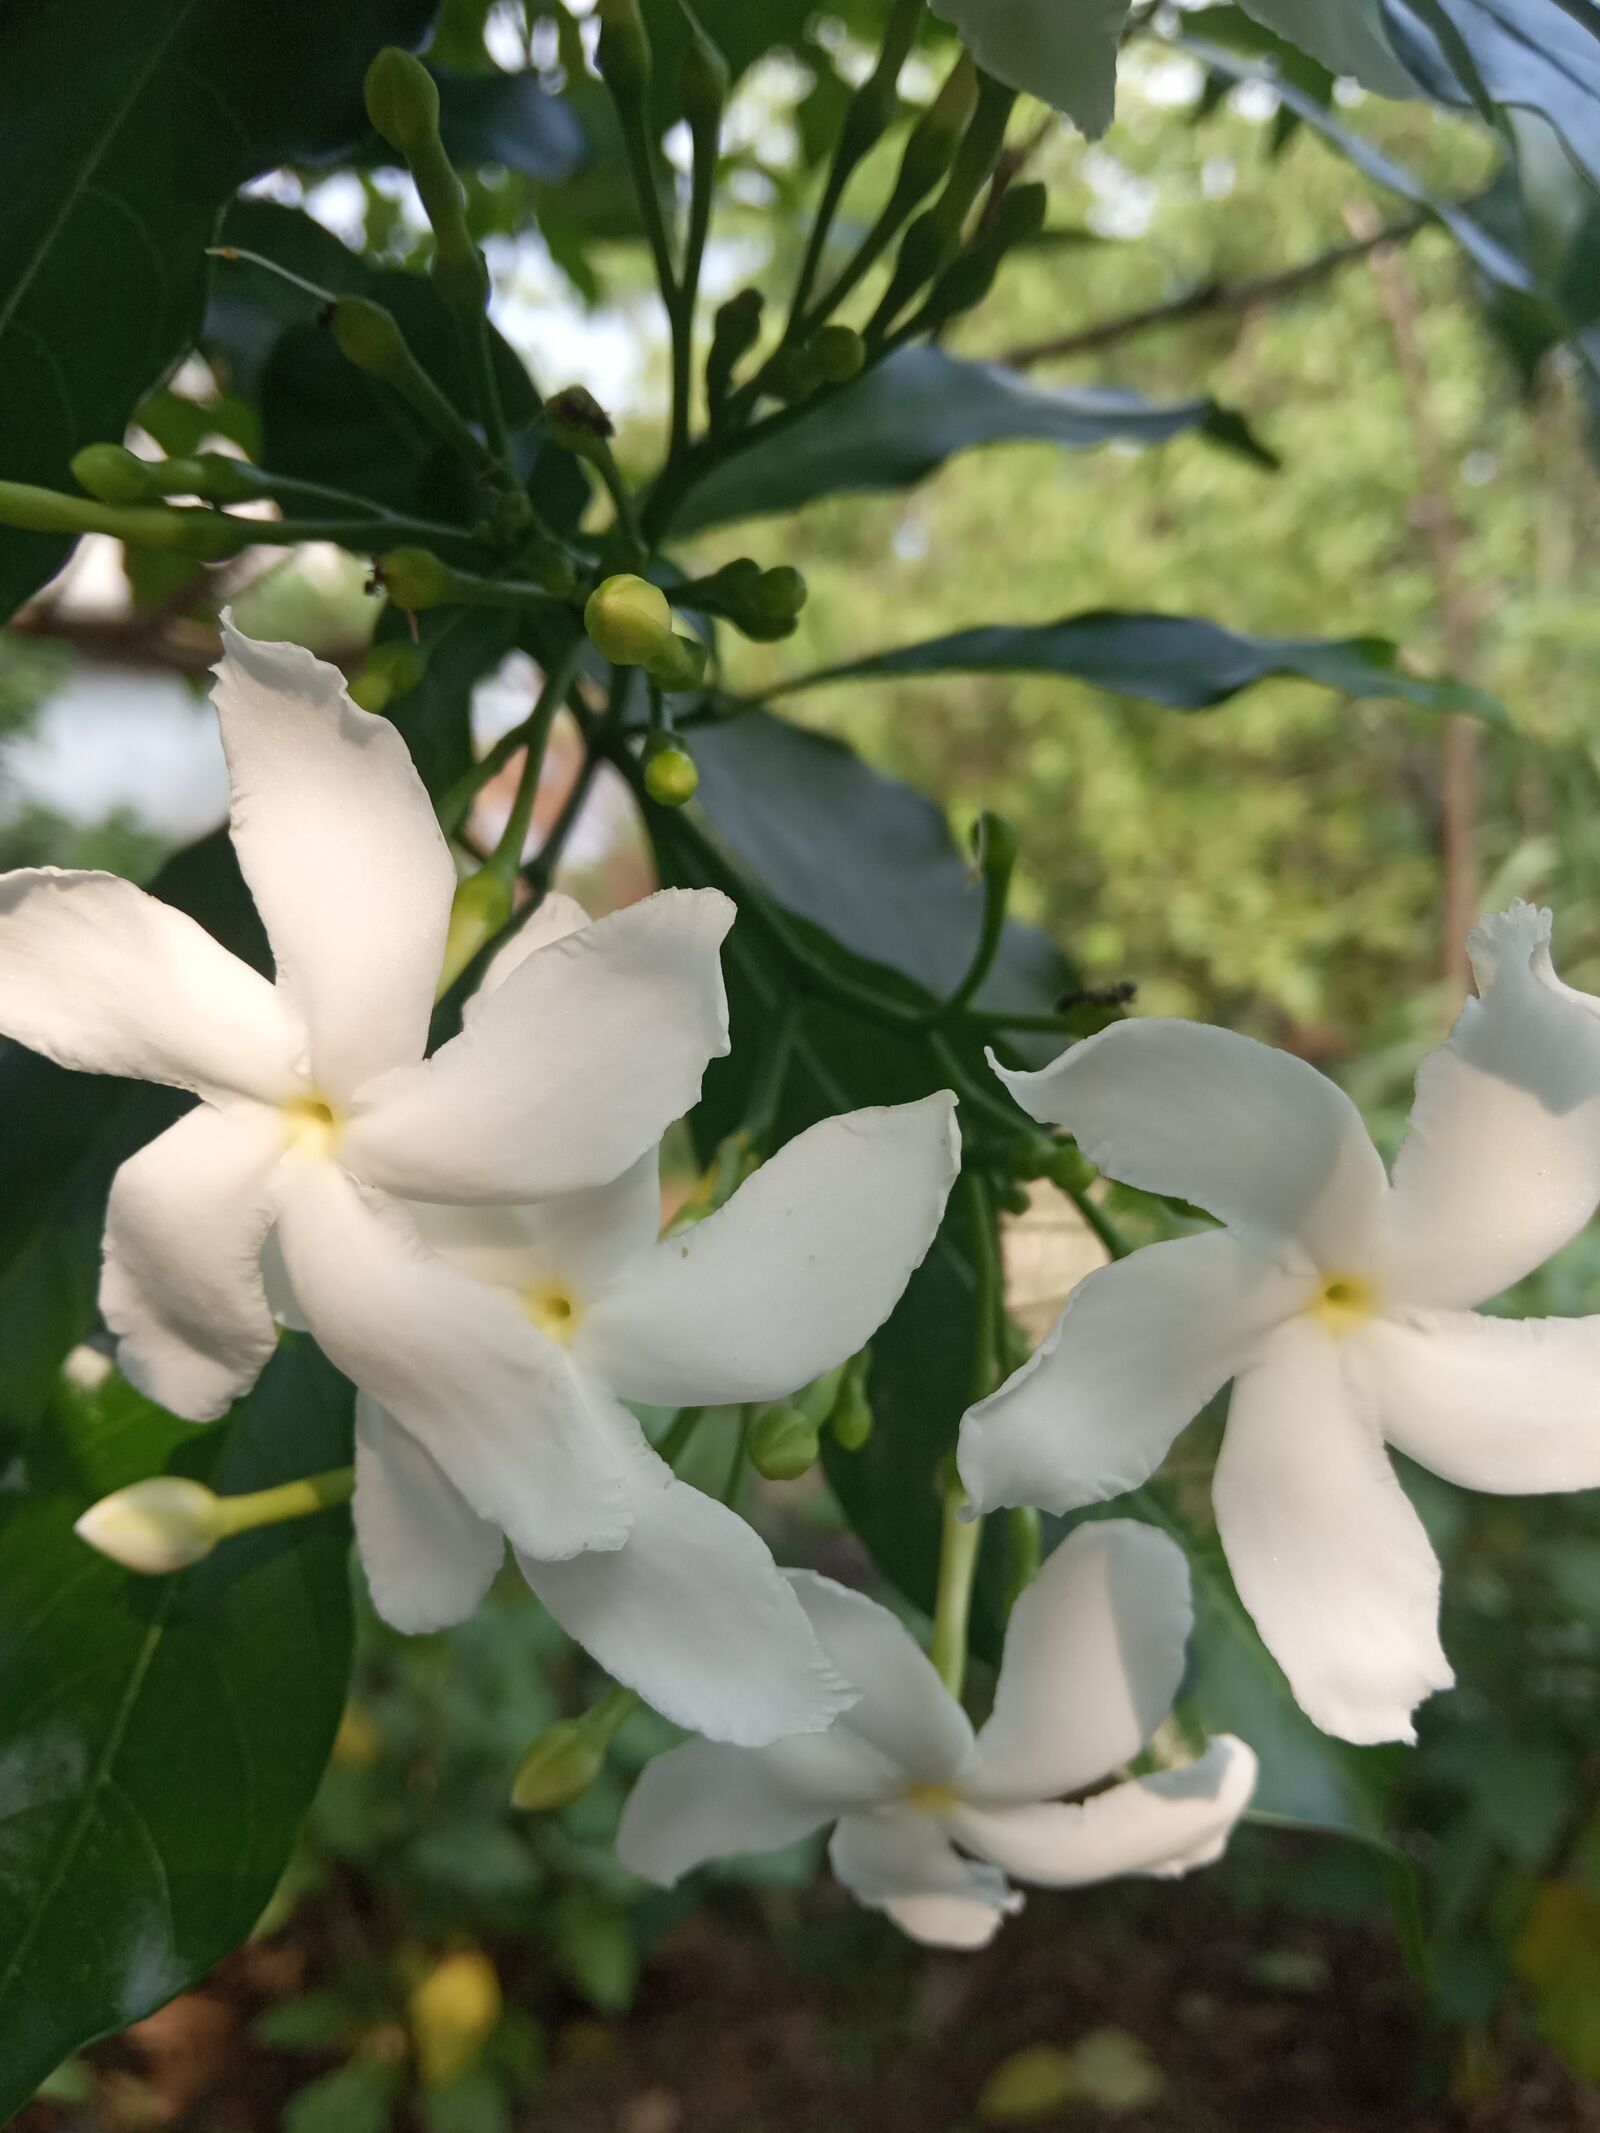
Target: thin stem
601,455
960,1540
676,1441
996,890
271,266
1096,1219
730,1488
606,1717
1023,1541
291,1499
702,184
642,167
486,389
506,859
539,870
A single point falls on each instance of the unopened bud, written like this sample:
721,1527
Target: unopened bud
453,2013
670,776
1069,1169
851,1420
155,1526
937,135
576,420
838,353
628,619
414,578
783,1444
111,474
680,664
793,374
1010,1197
559,1768
702,83
623,51
994,846
734,332
780,593
479,910
369,337
402,100
390,671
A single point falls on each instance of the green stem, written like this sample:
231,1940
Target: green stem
959,1543
541,867
682,308
676,1441
291,1499
486,388
741,1449
606,1717
600,455
1025,1548
1096,1219
506,859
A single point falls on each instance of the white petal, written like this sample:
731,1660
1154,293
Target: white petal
1327,1553
1094,1654
554,917
1164,1824
1064,51
1346,36
428,1556
899,1860
1500,1165
1255,1136
706,1800
1510,1405
906,1713
1140,1348
102,978
804,1263
349,869
582,1240
182,1284
694,1614
492,1401
566,1074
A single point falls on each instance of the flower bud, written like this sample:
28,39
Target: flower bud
670,776
702,84
402,100
994,844
680,664
559,1768
369,337
111,474
414,578
937,135
155,1526
479,910
783,1444
576,420
780,593
851,1420
793,374
838,352
453,2013
628,620
623,51
1069,1168
390,671
734,332
1010,1197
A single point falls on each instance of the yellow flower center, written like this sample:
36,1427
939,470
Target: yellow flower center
933,1799
1343,1302
312,1125
554,1309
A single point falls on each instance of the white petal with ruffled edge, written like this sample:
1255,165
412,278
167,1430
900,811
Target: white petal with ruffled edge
1164,1824
693,1613
337,839
1141,1347
181,1285
1509,1405
1094,1654
905,1712
568,1072
708,1801
105,979
1500,1165
900,1860
428,1556
1063,51
1253,1135
1328,1555
802,1265
489,1398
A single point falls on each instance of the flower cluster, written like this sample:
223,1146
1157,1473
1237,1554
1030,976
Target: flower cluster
473,1237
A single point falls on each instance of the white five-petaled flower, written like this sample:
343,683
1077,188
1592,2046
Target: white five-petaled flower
1340,1305
804,1262
931,1819
319,1110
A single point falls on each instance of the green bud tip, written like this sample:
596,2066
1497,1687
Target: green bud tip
702,81
851,1420
478,911
1020,215
783,1444
368,336
838,352
559,1768
111,474
414,578
628,619
780,593
1069,1169
155,1526
680,664
670,776
793,374
576,420
402,100
994,845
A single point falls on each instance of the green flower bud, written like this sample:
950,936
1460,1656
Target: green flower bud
628,620
670,776
679,665
780,593
734,332
415,578
1010,1197
817,1400
402,101
623,51
937,135
1069,1169
793,374
702,83
1020,215
111,474
369,337
478,911
390,671
559,1768
994,846
838,353
155,1526
851,1420
576,420
783,1444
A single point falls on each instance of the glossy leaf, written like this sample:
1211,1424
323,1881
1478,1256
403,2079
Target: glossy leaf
161,1738
122,134
1181,661
902,420
1529,55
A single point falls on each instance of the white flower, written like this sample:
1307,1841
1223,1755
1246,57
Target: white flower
319,1109
930,1820
800,1267
1337,1302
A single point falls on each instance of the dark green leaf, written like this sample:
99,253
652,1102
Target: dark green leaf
122,134
1181,661
1528,55
162,1738
900,421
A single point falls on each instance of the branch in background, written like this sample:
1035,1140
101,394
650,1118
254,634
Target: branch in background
1215,297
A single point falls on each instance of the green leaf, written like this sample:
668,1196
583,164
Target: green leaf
1181,661
161,1738
1527,55
358,2098
122,134
906,417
